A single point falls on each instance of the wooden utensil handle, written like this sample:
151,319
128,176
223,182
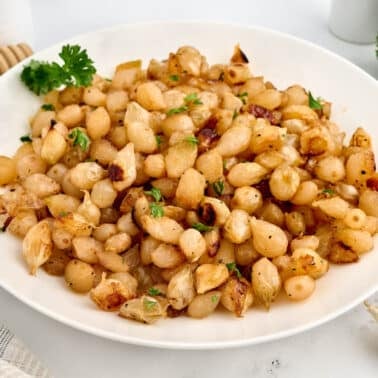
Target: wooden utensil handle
10,55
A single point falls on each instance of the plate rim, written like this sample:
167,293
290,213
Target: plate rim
132,340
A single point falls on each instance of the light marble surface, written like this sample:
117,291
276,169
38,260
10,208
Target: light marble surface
345,347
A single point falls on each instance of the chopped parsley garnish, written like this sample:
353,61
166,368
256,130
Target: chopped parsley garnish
157,210
189,100
218,187
155,193
234,269
214,298
181,109
328,191
314,103
243,96
201,227
174,77
63,214
192,99
25,139
159,140
149,305
80,139
77,70
192,140
154,292
48,107
234,114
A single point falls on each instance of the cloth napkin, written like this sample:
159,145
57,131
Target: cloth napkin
16,361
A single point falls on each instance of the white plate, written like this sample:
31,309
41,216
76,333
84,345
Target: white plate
282,59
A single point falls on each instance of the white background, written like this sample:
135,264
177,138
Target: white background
345,347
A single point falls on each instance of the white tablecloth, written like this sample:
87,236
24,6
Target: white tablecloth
345,347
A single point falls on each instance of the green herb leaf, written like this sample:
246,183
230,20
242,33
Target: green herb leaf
234,114
77,70
192,99
148,304
155,193
159,140
243,96
201,227
192,140
78,66
80,139
25,139
154,292
234,269
218,187
314,104
48,107
328,191
214,298
174,77
157,210
181,109
62,214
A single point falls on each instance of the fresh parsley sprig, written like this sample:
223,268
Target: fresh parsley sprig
189,100
25,139
155,193
191,140
314,103
148,304
192,99
153,291
214,298
243,97
331,192
47,107
181,109
174,77
156,209
218,187
80,139
159,140
234,269
201,227
77,70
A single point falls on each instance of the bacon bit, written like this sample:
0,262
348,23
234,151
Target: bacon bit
115,300
42,213
211,123
226,198
119,199
6,224
206,137
239,56
207,214
273,116
246,272
240,295
115,172
372,183
173,313
263,187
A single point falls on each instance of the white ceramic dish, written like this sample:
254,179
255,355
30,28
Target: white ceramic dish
282,59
